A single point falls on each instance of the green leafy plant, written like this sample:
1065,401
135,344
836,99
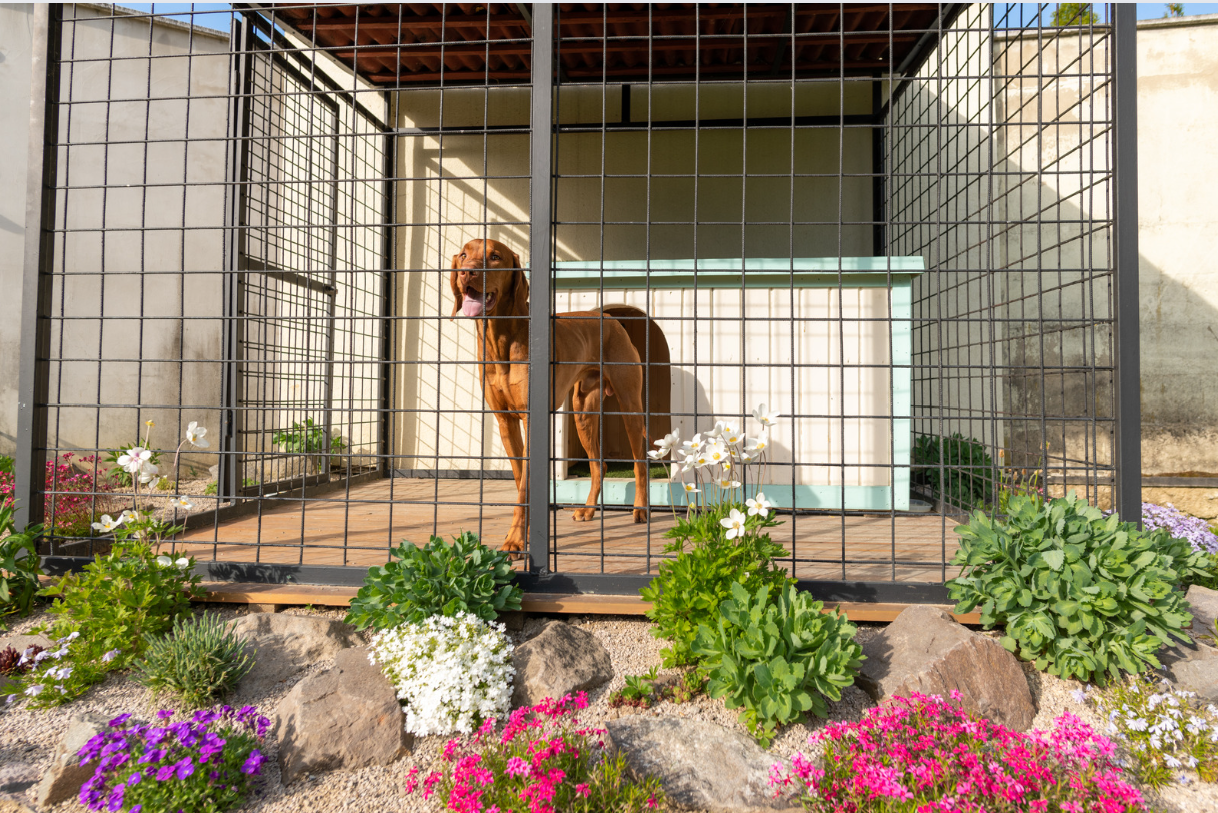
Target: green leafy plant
688,589
20,566
958,470
637,691
199,660
104,616
307,438
6,464
777,656
1074,14
1080,594
210,489
437,579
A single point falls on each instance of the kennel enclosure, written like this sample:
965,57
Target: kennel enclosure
891,223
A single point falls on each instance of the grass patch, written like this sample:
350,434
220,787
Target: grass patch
619,470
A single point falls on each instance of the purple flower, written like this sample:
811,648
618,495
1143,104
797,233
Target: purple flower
185,767
1180,525
119,720
115,802
164,772
253,765
165,714
136,809
135,778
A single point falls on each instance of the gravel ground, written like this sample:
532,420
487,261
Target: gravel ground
29,737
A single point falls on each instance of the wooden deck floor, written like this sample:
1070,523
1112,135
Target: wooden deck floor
359,529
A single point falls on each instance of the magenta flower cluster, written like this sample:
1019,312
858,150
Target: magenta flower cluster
543,761
926,755
1180,525
70,493
206,763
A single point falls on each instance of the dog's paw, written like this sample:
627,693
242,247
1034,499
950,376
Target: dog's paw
583,514
513,545
640,516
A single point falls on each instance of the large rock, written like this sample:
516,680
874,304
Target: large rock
559,660
344,718
282,645
1203,604
63,779
1192,666
925,650
701,765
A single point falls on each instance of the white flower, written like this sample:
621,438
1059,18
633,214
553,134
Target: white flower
690,488
109,656
182,563
107,525
1079,696
734,524
183,502
716,453
727,482
72,636
34,691
149,473
693,445
127,515
731,434
716,431
164,561
135,459
450,673
765,417
666,444
757,445
759,505
195,433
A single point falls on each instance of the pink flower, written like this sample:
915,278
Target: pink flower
583,790
517,767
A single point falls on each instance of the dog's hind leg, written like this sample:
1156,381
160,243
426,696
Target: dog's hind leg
586,400
630,397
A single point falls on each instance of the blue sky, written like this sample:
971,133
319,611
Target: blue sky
1021,13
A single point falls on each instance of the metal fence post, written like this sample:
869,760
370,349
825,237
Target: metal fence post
1127,458
32,381
539,288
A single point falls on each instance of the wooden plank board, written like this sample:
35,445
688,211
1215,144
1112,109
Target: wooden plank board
574,603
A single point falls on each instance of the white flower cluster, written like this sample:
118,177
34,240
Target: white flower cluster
1170,725
450,673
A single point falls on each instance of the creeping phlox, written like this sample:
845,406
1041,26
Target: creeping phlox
1167,731
1180,525
450,673
925,755
544,761
202,765
718,460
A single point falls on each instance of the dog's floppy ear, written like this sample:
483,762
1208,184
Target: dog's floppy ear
458,298
520,288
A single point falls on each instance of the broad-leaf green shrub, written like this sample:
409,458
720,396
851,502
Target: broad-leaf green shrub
19,565
958,470
437,579
200,660
1081,594
777,656
687,591
104,616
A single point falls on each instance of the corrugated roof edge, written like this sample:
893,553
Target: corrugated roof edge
122,11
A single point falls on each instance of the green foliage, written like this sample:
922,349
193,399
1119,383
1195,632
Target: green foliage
642,690
20,566
1074,14
958,470
6,464
307,438
210,489
777,656
121,476
617,470
107,612
1080,594
1174,10
199,660
437,579
687,591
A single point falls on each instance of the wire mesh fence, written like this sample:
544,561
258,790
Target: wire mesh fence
431,268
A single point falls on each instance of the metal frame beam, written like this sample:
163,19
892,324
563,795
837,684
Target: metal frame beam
540,246
40,199
1127,451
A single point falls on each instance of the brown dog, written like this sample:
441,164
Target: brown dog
487,281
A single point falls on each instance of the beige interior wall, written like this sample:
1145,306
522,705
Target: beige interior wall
445,199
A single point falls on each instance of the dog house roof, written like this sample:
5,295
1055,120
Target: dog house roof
402,44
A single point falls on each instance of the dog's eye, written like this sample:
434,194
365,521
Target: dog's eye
463,255
494,256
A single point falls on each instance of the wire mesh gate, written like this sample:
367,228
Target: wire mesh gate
907,230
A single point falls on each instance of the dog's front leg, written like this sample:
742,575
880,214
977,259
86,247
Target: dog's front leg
513,443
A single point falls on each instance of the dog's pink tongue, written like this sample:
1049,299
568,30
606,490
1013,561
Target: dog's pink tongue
471,306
